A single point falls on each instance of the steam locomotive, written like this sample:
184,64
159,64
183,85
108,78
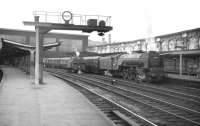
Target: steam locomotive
138,66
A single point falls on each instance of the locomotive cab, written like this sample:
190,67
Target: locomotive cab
155,67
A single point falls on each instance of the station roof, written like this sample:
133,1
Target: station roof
144,39
13,48
177,33
21,32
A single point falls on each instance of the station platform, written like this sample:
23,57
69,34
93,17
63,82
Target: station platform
183,77
54,103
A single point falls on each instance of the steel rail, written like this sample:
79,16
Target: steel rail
118,105
157,108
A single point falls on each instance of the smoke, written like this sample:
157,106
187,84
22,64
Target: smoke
77,53
150,43
148,19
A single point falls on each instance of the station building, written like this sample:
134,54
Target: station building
180,51
18,46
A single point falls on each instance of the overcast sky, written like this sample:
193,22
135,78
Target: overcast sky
131,19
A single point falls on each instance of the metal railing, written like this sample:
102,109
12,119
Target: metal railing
77,19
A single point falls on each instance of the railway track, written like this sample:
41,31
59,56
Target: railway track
183,93
120,115
189,90
151,108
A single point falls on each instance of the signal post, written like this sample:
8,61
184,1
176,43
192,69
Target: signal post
42,28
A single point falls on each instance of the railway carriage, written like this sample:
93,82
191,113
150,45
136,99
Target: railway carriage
91,64
109,64
61,63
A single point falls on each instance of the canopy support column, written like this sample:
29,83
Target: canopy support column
38,55
180,65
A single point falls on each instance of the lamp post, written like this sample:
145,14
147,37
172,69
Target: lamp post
160,44
185,42
181,57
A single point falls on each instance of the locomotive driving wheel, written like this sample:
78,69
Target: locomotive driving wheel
140,76
125,74
131,76
148,78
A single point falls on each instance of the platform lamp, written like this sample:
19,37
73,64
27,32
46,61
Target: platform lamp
185,41
180,59
158,40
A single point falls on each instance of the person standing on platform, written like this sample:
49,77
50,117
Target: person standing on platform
198,72
1,75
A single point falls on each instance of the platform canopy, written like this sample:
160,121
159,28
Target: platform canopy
194,52
13,48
